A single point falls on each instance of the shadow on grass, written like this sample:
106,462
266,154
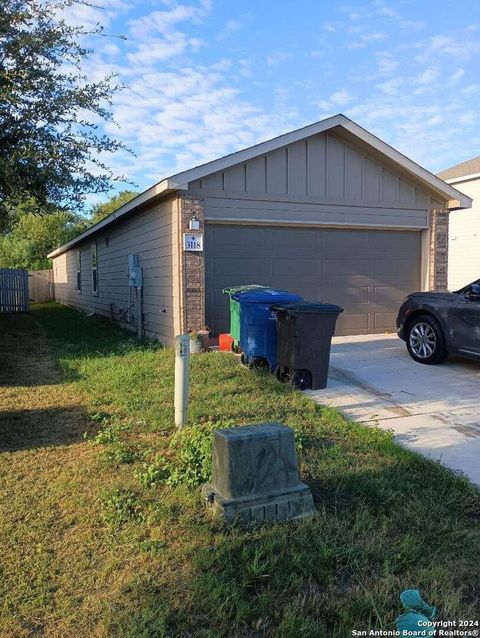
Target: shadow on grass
36,428
44,346
25,358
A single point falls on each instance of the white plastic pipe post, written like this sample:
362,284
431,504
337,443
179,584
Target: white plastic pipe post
182,370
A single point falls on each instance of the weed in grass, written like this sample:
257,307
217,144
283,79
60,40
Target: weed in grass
111,431
153,474
121,506
152,547
100,417
119,452
190,459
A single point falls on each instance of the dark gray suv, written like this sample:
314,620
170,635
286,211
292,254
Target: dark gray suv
435,323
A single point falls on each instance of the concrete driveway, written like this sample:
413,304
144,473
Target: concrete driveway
433,410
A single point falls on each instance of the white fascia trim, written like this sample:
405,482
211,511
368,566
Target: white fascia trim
464,178
157,189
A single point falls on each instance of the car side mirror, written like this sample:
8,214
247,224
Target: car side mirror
474,293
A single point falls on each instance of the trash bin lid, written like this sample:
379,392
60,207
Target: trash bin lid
309,307
268,295
233,289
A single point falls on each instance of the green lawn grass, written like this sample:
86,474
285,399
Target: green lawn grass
87,548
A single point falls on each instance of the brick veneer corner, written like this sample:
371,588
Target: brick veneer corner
193,268
438,249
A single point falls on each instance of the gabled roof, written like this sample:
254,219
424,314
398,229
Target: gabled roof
464,169
180,181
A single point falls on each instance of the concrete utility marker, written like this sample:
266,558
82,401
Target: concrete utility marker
433,410
255,475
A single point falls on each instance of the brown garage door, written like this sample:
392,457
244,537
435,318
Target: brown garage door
367,272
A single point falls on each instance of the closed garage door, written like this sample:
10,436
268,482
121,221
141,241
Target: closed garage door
367,272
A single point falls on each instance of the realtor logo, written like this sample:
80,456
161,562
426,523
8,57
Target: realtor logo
193,242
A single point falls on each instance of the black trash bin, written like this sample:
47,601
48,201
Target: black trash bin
304,334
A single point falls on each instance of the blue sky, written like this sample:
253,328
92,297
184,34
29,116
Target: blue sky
207,77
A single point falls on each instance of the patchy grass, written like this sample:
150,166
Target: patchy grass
100,537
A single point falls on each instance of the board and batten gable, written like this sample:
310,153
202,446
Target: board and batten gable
464,238
324,179
151,233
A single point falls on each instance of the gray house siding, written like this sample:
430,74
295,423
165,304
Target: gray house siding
321,180
152,234
334,214
322,217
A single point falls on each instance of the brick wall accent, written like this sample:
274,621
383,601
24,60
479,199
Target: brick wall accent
192,268
438,249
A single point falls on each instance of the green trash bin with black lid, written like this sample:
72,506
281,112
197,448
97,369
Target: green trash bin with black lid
235,310
304,335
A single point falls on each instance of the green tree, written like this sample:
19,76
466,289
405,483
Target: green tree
51,149
34,236
100,211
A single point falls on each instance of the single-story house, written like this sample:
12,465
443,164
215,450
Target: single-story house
328,211
464,231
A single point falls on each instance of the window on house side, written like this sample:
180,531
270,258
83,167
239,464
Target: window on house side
78,261
94,269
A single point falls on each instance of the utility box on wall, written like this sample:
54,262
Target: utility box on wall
135,274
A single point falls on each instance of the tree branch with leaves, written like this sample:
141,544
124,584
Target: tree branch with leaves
52,148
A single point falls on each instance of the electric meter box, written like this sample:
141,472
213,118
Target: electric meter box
135,274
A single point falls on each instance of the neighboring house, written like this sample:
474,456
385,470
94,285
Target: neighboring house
464,231
328,211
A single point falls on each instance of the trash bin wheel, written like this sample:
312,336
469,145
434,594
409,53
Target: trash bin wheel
258,363
280,374
301,379
244,359
235,348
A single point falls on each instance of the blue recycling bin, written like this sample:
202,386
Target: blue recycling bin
258,325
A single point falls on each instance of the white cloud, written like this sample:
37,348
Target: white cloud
276,58
367,38
460,45
157,50
339,98
391,87
162,21
427,76
456,76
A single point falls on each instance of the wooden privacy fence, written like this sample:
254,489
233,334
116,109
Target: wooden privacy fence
40,283
13,290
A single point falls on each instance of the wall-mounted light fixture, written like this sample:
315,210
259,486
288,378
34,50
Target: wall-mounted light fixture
194,223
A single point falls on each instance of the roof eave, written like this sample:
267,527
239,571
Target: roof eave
162,188
463,178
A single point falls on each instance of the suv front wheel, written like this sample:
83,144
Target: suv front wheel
425,341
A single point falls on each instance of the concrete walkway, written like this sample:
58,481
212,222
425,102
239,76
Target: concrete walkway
433,410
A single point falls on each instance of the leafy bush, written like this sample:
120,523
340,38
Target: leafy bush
190,462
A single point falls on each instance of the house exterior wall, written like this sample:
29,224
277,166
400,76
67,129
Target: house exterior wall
152,233
464,239
328,181
325,181
321,180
